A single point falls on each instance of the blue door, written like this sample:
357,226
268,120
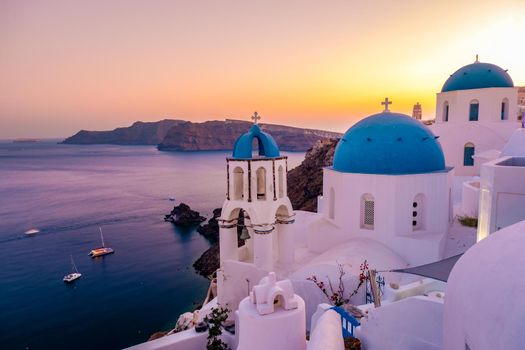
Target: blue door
467,156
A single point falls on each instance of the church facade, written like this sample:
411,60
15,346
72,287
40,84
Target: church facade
476,111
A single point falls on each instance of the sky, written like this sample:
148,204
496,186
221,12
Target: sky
99,64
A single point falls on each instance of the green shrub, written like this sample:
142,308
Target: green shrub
468,221
215,320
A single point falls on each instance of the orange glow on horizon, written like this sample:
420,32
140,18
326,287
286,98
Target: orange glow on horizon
97,65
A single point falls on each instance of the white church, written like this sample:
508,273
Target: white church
391,199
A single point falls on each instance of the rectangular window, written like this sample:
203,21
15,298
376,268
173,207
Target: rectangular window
503,111
446,113
474,112
369,214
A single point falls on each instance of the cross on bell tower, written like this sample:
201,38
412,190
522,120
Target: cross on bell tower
385,103
256,117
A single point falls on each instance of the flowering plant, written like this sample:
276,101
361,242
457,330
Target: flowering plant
337,297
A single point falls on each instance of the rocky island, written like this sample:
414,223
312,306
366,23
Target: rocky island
140,133
180,135
183,215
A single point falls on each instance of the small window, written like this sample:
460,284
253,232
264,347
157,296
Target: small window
505,109
474,111
331,204
261,183
238,183
281,181
367,212
445,112
468,153
418,214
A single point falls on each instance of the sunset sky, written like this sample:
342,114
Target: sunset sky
98,64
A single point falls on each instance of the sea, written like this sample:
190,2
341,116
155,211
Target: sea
68,192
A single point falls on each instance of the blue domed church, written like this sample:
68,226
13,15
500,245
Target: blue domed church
388,183
476,112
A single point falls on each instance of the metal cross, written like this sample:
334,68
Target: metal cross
255,117
385,103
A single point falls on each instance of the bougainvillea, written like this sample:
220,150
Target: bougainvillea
337,296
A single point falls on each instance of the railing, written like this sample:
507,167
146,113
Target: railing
369,296
348,322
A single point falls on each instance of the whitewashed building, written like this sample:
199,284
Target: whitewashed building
476,111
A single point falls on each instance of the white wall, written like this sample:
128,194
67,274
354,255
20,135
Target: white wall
484,304
489,132
502,200
327,334
393,197
470,198
415,323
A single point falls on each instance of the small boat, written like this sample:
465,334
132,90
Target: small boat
32,231
172,199
73,275
101,251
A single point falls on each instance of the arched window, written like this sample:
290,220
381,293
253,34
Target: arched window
418,212
473,111
281,181
468,152
261,183
331,204
505,109
445,111
367,211
238,183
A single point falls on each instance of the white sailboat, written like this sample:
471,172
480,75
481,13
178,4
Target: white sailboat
73,275
32,231
101,251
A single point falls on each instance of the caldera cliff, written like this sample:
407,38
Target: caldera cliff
221,135
139,133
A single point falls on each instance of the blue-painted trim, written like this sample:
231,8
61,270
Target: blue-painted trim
348,322
267,145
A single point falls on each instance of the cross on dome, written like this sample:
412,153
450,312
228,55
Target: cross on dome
385,103
255,117
477,59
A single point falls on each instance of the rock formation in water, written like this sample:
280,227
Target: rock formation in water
140,133
210,230
305,182
183,215
221,135
209,261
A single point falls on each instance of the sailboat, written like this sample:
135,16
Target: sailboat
32,231
73,275
101,251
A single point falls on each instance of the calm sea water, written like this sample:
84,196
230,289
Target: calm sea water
67,191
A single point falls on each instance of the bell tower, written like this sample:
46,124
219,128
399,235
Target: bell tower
257,202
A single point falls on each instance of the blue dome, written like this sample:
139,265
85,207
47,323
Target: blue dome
267,145
391,144
478,76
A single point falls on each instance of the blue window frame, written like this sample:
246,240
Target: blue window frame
468,152
474,111
504,109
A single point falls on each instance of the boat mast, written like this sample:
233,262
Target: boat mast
101,236
73,264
